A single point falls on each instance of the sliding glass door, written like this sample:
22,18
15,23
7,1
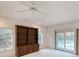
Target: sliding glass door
66,41
70,41
60,40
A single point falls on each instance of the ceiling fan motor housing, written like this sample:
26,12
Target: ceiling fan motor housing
33,9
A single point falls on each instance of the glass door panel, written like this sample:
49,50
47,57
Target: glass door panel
70,36
60,40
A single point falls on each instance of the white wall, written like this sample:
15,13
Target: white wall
10,23
52,29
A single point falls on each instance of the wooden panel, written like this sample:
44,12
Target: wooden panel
33,48
26,49
22,50
33,36
22,35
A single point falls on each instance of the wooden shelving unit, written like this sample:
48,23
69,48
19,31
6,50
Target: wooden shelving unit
26,40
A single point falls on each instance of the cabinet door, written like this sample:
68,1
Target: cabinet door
22,50
22,36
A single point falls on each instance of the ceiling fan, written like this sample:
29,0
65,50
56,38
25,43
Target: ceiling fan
32,8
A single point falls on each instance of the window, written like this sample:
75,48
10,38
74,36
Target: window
6,39
41,38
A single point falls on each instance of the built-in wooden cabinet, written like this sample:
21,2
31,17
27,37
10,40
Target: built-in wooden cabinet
26,40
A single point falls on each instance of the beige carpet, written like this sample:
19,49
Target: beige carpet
50,53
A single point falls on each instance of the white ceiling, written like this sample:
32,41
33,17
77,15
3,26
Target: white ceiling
57,11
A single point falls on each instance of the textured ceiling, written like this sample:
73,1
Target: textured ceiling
56,12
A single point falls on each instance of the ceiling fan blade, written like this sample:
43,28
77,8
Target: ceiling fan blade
42,12
24,10
32,2
23,2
